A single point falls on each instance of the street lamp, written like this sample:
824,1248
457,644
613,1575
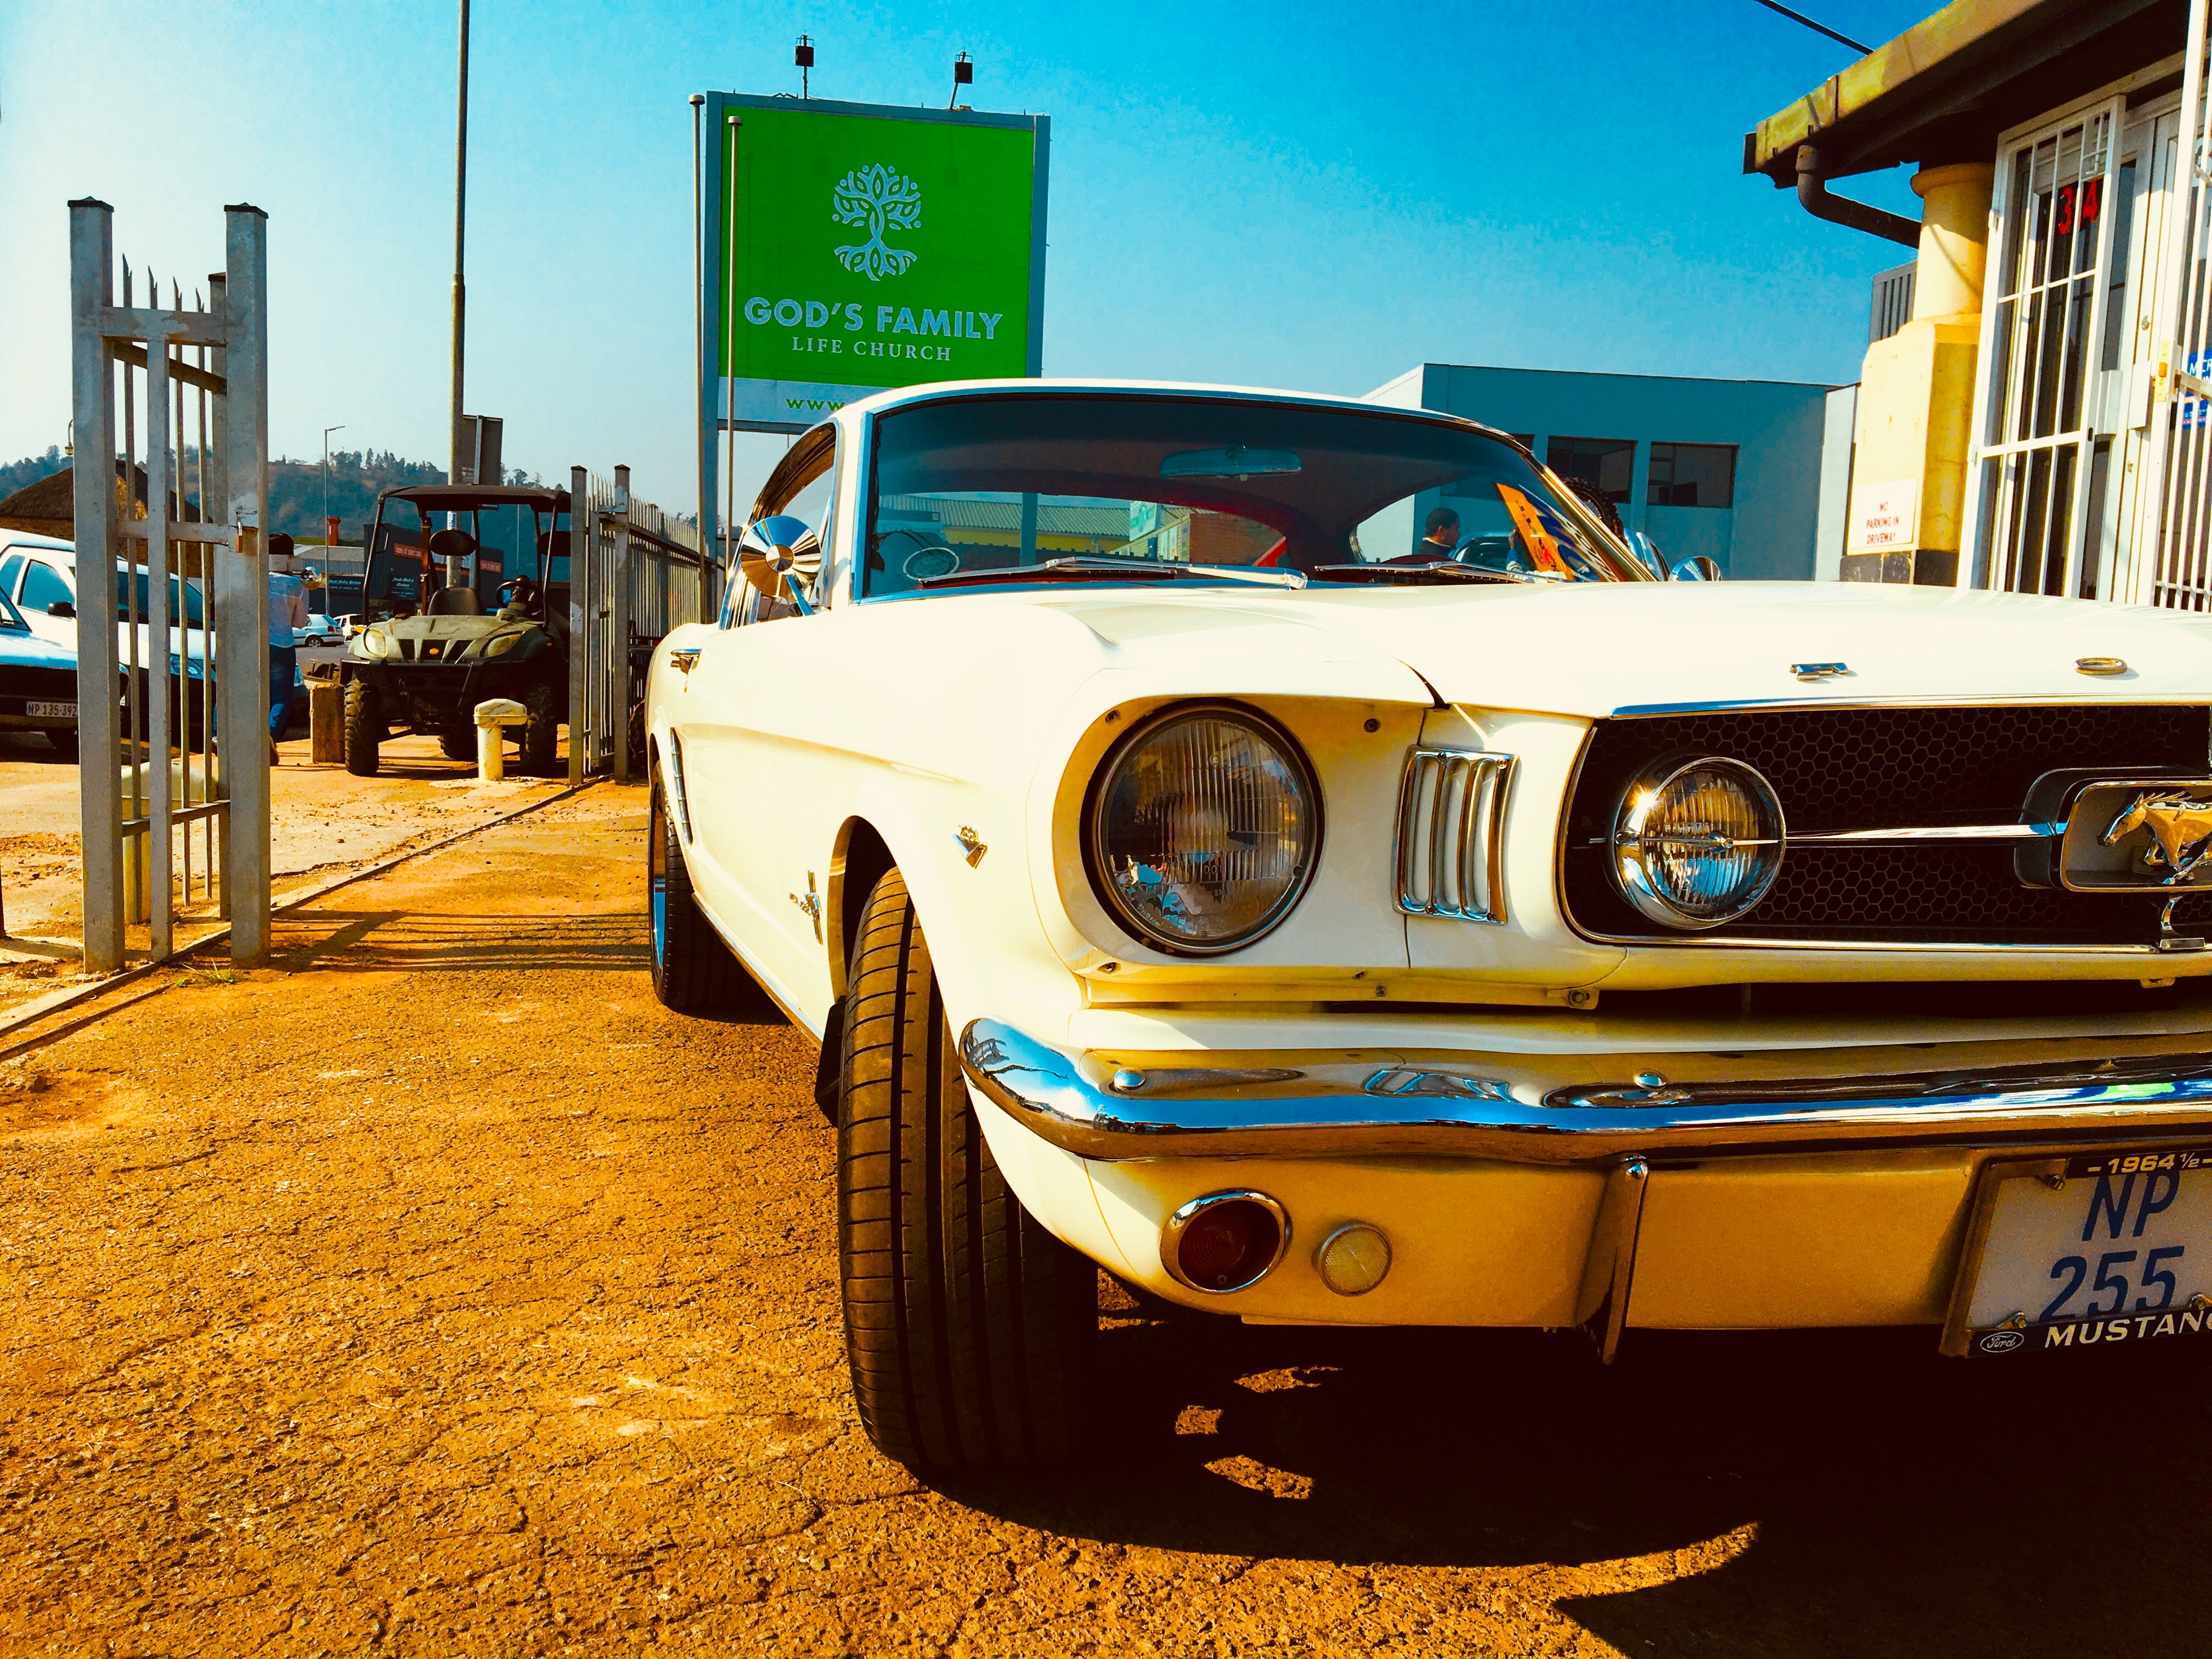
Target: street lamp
328,430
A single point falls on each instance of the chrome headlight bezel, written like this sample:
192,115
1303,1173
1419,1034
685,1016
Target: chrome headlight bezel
1631,850
1095,861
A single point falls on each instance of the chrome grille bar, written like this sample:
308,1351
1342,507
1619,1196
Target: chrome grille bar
1451,835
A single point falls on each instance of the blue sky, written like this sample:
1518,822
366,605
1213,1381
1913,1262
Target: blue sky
1297,194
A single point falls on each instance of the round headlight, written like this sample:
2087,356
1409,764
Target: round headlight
1204,826
373,642
1697,842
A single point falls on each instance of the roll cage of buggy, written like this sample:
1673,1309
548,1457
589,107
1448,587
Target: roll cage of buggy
464,599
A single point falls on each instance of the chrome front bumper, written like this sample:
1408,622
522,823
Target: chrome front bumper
1087,1105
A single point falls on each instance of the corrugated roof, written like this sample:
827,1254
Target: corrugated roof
1945,88
48,506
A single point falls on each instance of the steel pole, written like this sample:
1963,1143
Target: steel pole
460,227
242,586
100,734
699,310
328,430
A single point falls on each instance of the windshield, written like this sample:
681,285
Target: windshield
11,619
404,570
983,484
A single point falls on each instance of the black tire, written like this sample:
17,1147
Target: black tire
693,970
364,728
64,742
459,746
541,733
968,1329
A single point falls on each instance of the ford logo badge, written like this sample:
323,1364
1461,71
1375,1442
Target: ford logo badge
2002,1341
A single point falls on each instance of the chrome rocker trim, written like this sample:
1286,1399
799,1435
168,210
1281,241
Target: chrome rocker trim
1080,1104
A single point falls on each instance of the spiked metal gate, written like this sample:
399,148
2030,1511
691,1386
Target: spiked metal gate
172,683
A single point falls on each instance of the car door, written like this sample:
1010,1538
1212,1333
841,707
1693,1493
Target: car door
731,727
43,588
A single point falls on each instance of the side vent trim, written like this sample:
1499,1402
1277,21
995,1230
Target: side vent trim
1451,855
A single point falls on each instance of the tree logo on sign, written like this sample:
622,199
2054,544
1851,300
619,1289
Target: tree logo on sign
881,199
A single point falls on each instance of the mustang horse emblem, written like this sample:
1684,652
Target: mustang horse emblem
2180,830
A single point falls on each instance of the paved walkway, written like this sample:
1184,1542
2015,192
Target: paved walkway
436,1292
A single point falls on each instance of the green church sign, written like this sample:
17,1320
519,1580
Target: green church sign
849,247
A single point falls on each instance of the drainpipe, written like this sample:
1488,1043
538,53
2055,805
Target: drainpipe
1812,195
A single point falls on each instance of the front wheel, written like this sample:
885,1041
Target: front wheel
541,733
968,1329
364,728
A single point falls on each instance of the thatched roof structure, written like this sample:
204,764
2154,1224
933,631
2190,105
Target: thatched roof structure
48,507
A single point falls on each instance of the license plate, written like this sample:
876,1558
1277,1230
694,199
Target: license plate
56,711
2086,1249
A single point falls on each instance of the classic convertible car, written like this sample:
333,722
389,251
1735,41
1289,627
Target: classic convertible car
1194,863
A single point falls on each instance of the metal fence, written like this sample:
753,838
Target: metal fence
172,603
634,574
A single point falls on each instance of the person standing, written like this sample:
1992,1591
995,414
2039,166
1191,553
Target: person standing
1441,540
287,610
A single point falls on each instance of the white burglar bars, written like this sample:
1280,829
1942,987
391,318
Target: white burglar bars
2181,464
2043,317
1451,829
172,683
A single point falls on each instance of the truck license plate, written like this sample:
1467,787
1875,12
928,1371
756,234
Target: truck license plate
55,711
2086,1249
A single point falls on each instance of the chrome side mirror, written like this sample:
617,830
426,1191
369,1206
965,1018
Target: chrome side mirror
779,557
1699,567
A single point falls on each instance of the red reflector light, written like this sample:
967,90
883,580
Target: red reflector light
1225,1241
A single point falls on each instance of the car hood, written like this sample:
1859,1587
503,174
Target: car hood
29,651
455,628
1596,650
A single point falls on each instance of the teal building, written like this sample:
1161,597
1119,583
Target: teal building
1729,469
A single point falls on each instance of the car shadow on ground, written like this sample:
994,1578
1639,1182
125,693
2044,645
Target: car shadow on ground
384,941
22,746
381,941
1843,1492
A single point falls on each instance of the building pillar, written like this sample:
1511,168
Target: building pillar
1908,505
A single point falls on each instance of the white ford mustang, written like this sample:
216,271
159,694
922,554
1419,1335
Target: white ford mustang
1292,854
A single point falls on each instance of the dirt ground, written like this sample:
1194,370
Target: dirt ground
436,1292
323,821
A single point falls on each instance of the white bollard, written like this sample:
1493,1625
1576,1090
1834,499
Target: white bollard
493,714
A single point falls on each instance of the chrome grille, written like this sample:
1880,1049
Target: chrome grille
1451,835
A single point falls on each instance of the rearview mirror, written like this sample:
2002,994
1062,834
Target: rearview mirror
1699,567
61,608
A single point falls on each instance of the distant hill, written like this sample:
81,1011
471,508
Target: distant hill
21,474
295,488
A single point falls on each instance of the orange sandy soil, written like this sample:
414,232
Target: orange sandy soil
323,821
434,1291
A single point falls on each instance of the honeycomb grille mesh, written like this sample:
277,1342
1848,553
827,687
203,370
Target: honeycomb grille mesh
1871,768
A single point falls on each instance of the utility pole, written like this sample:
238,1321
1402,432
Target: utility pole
328,430
460,224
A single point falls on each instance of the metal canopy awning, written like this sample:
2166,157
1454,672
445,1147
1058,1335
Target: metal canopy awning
1945,88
